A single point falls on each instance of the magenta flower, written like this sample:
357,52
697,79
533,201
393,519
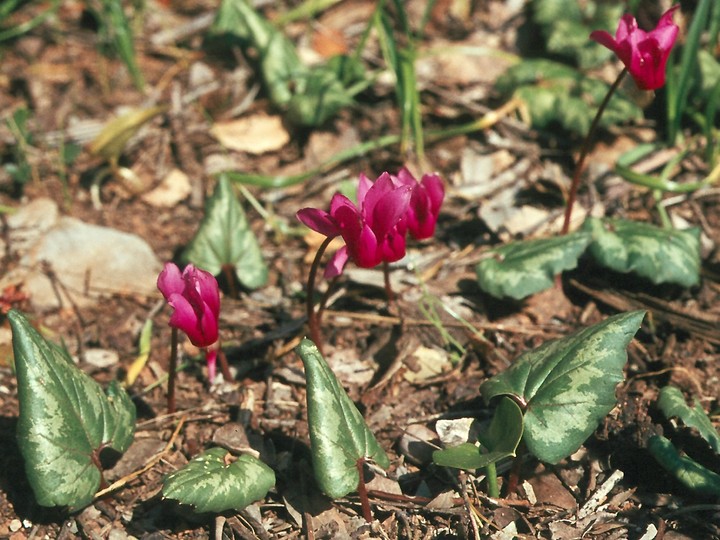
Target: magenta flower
645,54
370,229
424,208
195,298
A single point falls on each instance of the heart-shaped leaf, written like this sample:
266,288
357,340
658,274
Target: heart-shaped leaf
225,238
498,442
65,419
567,386
660,255
688,471
339,436
520,269
211,482
672,403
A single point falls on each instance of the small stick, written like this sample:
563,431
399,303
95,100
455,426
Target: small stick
149,465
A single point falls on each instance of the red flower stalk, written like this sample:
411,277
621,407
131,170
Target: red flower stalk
195,297
645,54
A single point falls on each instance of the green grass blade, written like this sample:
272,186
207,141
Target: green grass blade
688,70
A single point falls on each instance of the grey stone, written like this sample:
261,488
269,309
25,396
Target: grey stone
88,261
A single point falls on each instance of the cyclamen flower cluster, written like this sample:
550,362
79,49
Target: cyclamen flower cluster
645,54
195,297
375,229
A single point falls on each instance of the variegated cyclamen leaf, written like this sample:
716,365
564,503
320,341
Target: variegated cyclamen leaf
339,436
65,419
568,385
213,483
522,268
660,255
687,471
225,238
672,403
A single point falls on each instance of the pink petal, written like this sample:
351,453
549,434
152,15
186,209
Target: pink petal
170,280
604,39
184,317
393,249
626,26
390,209
382,186
365,251
341,201
405,177
665,38
206,287
319,221
364,186
208,329
667,20
435,190
337,263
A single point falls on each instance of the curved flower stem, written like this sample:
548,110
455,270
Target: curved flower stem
326,295
312,316
172,370
584,152
388,287
224,366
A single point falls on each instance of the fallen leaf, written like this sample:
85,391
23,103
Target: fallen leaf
254,134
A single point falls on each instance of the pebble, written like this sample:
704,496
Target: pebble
101,358
15,525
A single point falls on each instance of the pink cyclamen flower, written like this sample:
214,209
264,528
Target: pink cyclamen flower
370,229
424,208
645,54
195,297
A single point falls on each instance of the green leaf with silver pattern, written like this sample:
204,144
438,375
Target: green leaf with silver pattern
522,268
225,238
213,483
672,403
568,385
658,254
65,419
339,436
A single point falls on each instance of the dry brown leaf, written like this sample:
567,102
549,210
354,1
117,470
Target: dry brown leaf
254,134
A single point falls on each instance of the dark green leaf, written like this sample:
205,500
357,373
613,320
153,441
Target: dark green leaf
339,436
321,92
278,62
566,25
65,419
212,484
660,255
688,471
520,269
310,95
567,385
672,403
498,442
225,238
557,93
